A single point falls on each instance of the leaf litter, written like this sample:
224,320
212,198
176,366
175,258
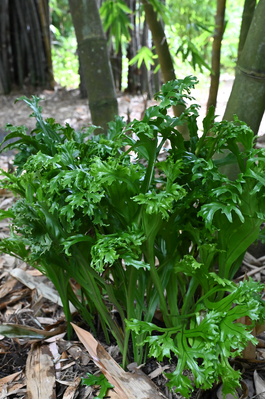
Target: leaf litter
28,308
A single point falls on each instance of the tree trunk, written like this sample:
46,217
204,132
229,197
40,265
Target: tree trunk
248,13
216,52
116,64
82,86
95,64
5,78
248,93
160,42
162,50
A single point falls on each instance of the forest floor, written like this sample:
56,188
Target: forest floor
38,361
67,106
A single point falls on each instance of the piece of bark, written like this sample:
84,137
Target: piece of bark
40,373
126,385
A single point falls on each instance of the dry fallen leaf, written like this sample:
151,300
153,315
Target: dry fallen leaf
8,379
249,353
71,389
158,371
259,383
126,385
32,282
40,373
13,298
7,287
23,331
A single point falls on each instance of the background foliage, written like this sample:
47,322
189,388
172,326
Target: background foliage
64,45
188,26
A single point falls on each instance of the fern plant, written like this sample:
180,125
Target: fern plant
139,233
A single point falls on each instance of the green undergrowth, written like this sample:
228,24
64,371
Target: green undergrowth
139,232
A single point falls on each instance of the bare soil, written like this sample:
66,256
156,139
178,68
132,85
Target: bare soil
66,106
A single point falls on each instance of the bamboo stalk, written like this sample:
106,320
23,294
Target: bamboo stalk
43,11
4,63
27,50
37,44
17,46
216,52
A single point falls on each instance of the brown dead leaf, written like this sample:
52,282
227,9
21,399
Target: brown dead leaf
6,202
40,373
34,272
7,286
260,396
9,378
75,351
71,390
158,371
250,273
9,261
68,365
44,290
259,383
16,389
46,320
13,297
12,384
250,260
126,385
249,353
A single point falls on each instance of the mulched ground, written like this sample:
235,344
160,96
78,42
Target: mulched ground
28,299
23,306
